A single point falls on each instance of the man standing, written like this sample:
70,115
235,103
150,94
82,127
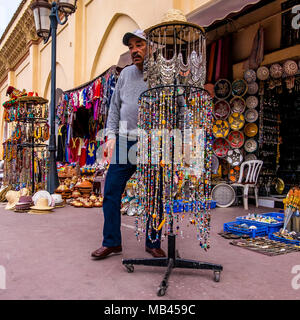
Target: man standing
122,136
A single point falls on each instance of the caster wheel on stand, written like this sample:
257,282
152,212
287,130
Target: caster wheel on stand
129,268
161,291
217,276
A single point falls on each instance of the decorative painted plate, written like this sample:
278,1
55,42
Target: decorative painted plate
290,68
250,156
221,109
214,164
276,70
236,121
252,88
221,129
252,102
250,75
239,87
234,174
221,147
234,157
263,73
250,145
251,130
251,115
236,139
238,104
222,89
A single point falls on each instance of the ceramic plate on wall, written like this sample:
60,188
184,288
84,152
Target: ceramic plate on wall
239,87
234,157
250,75
290,68
221,147
236,139
276,71
251,115
252,88
250,145
221,109
238,104
220,129
222,89
234,174
252,102
214,164
236,121
251,130
263,73
250,156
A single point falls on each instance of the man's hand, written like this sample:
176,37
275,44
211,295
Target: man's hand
108,149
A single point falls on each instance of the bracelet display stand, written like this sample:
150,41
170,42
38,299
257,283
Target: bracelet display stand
31,144
176,102
26,112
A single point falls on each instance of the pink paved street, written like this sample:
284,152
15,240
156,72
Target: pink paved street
48,257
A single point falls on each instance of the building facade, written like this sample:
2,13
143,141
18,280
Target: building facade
91,41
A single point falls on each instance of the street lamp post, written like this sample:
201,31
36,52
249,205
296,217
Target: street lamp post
42,11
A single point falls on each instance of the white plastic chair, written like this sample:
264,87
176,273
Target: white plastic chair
250,180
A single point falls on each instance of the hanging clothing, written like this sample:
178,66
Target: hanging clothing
61,143
74,147
83,154
219,60
91,152
226,64
211,62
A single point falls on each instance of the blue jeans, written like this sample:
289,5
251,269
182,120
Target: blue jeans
119,172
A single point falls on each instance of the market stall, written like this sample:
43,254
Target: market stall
81,116
25,152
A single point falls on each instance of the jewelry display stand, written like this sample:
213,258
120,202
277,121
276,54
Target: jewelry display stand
29,117
176,105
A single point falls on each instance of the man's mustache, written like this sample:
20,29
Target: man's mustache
135,55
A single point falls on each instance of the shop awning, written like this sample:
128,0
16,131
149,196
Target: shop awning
217,10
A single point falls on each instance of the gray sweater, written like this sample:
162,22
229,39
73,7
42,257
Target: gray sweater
123,109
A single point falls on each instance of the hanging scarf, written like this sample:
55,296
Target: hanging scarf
257,53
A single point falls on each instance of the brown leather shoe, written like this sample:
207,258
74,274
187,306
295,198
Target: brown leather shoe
103,252
156,252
